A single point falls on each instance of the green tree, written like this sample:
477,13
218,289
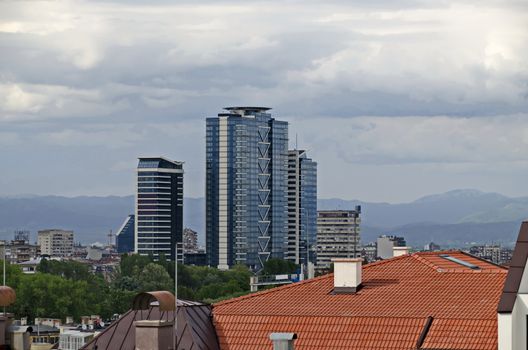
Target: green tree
278,267
45,295
154,277
132,264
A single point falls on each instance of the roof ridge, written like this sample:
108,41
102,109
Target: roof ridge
385,261
328,275
275,289
365,316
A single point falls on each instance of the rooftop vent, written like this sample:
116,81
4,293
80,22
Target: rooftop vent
347,275
460,262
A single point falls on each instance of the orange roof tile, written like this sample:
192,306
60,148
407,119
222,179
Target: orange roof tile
388,312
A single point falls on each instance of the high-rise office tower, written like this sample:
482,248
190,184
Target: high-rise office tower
337,235
302,208
246,187
159,208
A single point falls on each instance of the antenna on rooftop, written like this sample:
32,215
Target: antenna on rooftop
296,145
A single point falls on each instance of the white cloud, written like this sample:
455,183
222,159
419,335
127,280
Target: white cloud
15,99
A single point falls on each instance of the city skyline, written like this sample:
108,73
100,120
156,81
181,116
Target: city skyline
421,99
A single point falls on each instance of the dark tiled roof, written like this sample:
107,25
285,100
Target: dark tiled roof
391,311
517,265
195,328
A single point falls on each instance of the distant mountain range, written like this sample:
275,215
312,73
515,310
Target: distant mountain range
454,218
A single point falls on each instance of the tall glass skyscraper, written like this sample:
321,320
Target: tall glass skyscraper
246,187
159,208
302,208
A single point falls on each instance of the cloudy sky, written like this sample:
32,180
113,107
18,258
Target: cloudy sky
394,99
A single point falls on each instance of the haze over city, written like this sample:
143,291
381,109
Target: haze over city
394,101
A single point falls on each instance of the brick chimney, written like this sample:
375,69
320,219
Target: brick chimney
347,275
399,251
283,341
154,335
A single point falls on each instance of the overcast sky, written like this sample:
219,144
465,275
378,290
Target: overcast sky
393,99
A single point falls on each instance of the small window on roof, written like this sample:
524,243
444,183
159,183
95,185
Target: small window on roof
459,261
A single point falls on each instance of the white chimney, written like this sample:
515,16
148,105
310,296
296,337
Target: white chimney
399,251
347,275
283,341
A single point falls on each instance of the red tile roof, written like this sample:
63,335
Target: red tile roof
388,312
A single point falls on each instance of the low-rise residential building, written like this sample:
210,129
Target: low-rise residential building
369,252
494,253
190,241
55,242
74,339
431,247
18,251
337,235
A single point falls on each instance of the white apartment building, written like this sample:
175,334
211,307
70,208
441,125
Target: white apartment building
55,242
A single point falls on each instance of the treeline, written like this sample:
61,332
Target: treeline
68,288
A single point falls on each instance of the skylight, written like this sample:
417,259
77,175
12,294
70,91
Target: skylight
460,262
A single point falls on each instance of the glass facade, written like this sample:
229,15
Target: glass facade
302,208
159,208
246,184
125,236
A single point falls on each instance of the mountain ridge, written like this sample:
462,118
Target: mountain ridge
457,212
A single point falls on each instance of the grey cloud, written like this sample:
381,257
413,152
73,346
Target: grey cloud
139,78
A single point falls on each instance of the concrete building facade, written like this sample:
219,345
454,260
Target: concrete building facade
338,235
386,243
55,242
